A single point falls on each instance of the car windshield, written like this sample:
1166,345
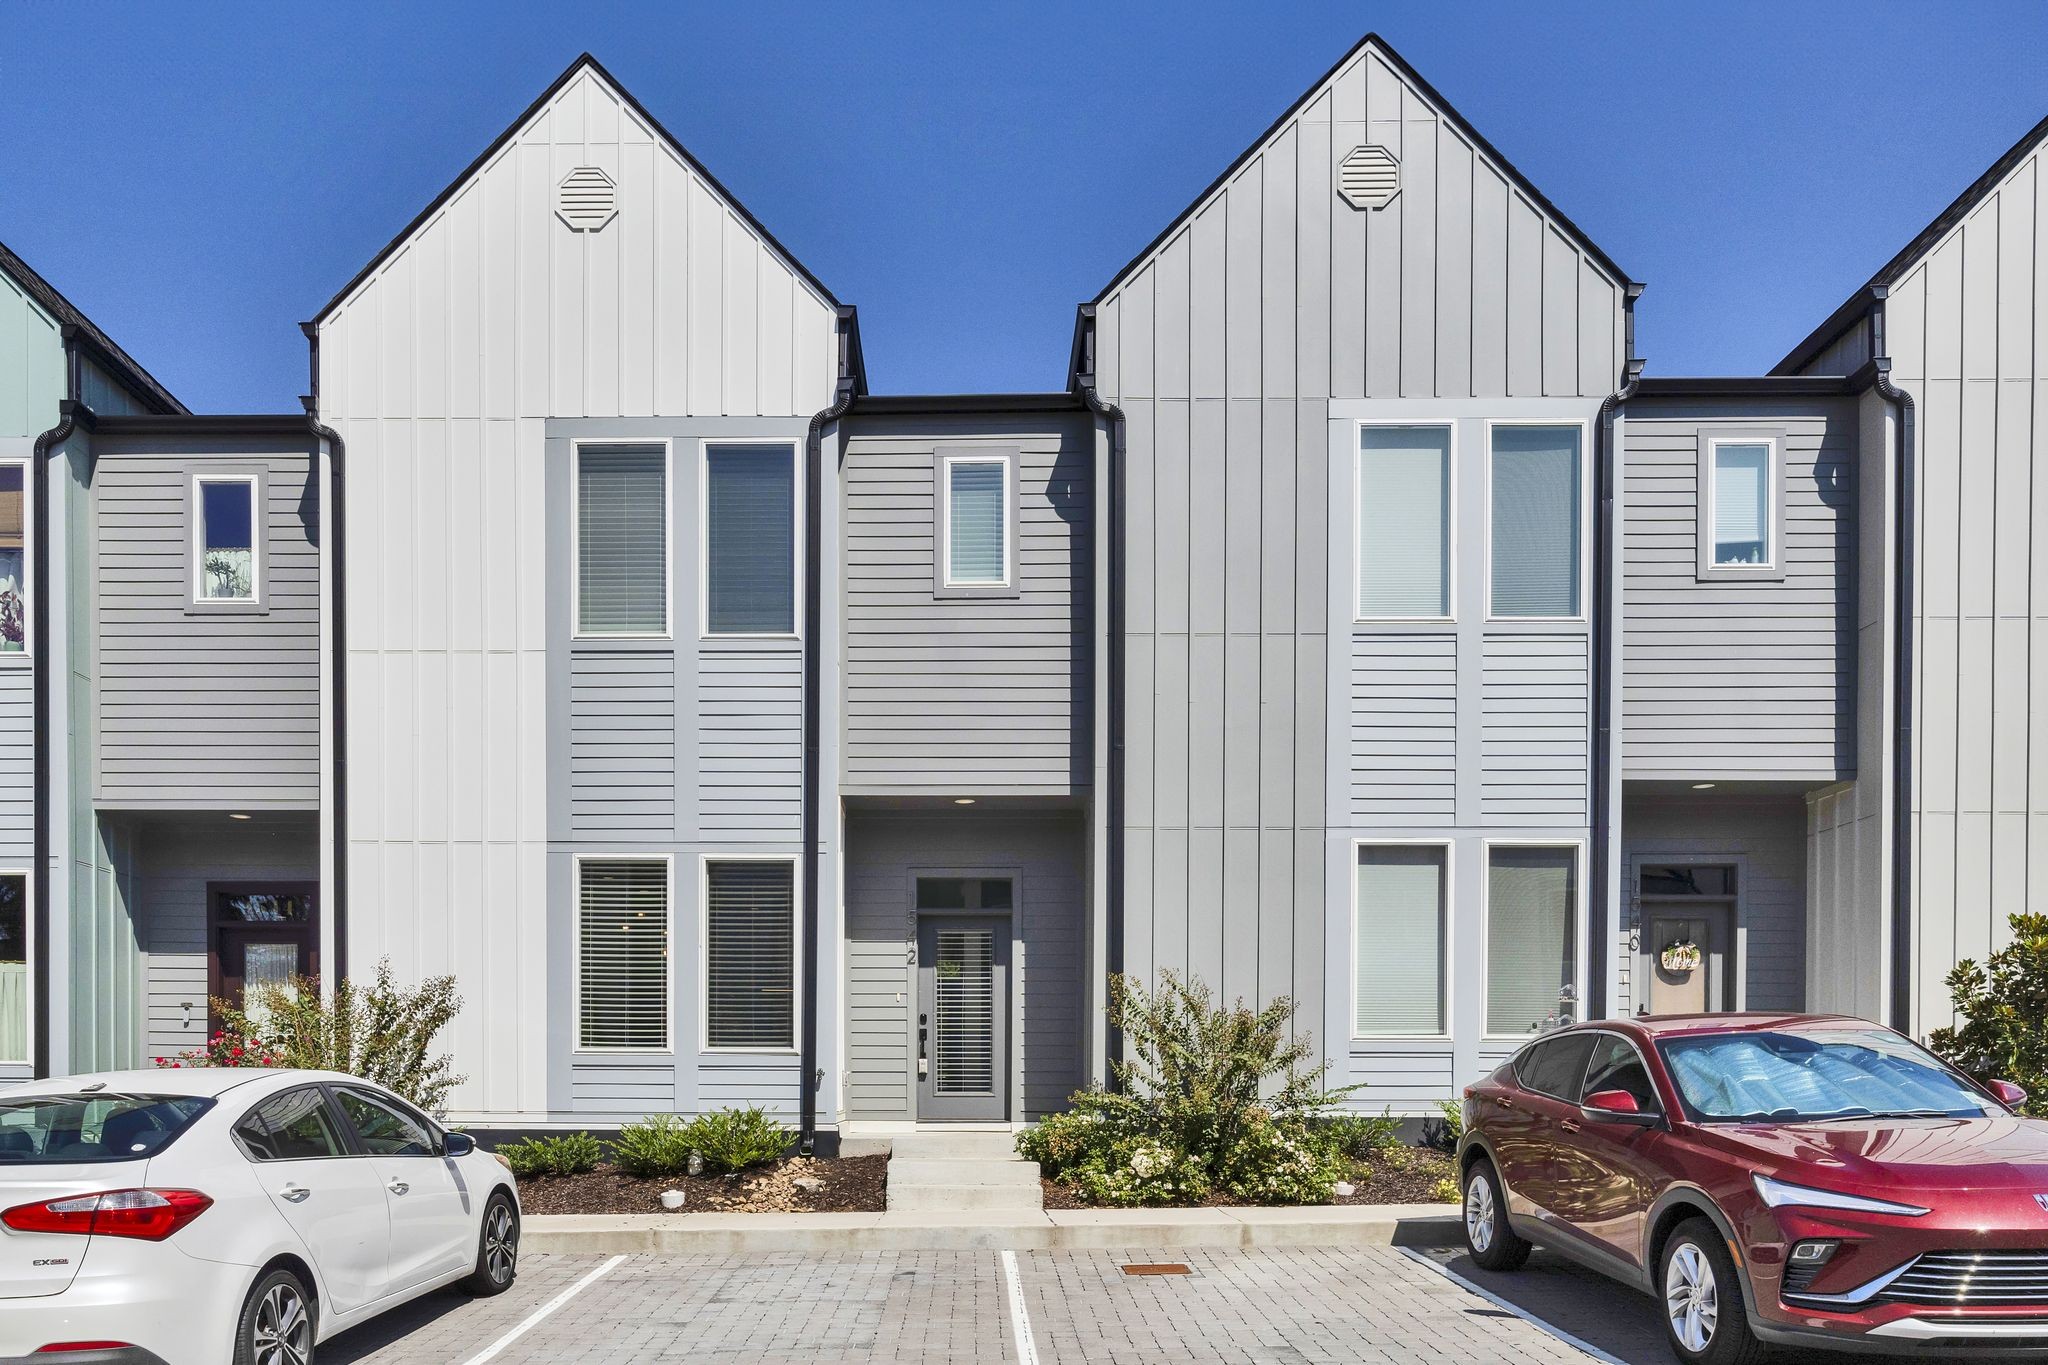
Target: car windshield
1814,1075
61,1130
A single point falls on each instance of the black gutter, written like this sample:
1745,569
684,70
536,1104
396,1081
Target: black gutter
1765,386
1083,372
70,411
809,1075
1607,461
337,648
1902,672
203,424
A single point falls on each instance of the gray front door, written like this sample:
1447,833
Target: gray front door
963,1009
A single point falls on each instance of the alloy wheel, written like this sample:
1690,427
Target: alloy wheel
283,1330
501,1244
1479,1213
1691,1298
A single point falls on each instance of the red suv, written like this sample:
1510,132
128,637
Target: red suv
1769,1178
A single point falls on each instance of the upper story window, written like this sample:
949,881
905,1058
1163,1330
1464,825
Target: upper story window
975,521
1398,940
1534,510
1404,523
622,535
1741,511
750,566
226,543
13,558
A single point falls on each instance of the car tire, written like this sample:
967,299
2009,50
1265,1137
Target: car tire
280,1311
1491,1243
497,1248
1702,1297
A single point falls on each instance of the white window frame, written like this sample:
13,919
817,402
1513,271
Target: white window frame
668,534
1580,949
34,945
1447,976
1774,472
1450,427
668,1017
254,483
1004,463
28,564
796,953
1585,516
796,539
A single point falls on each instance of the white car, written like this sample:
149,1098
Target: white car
209,1216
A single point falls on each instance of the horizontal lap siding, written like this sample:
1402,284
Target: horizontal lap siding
1404,730
749,747
1535,731
17,766
1728,679
622,750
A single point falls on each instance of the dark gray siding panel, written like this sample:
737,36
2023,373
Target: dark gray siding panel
203,710
622,742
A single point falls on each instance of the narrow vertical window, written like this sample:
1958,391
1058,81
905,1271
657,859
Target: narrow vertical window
1531,938
14,969
750,954
622,519
226,540
750,539
1743,507
1399,941
13,559
622,962
1534,510
977,523
1404,522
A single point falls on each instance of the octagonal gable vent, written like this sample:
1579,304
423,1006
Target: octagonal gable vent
586,199
1369,178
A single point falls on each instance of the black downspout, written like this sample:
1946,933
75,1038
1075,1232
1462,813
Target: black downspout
1607,464
1902,676
337,577
68,410
1113,855
810,1076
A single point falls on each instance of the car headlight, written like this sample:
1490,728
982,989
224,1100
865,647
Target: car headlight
1778,1195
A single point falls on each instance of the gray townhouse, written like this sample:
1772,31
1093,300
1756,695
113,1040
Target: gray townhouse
1362,624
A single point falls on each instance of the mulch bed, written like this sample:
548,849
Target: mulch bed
855,1184
1399,1175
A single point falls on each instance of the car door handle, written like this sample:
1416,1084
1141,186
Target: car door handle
295,1193
1504,1102
398,1186
1569,1125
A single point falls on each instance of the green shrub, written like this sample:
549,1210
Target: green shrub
657,1145
733,1139
1446,1191
1446,1130
569,1154
1362,1136
2001,1004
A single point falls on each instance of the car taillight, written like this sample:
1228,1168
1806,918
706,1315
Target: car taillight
150,1215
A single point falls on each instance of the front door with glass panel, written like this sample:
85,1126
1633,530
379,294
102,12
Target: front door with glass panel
963,1000
261,935
1688,933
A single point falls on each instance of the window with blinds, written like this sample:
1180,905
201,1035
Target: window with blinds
1399,940
622,963
1534,510
1742,504
750,955
1404,522
622,540
977,521
1531,938
750,539
13,558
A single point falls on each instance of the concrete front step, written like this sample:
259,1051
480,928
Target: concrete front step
905,1171
957,1146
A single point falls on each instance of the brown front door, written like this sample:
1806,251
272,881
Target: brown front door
260,934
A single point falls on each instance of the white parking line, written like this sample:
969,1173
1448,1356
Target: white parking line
535,1318
1020,1321
1524,1314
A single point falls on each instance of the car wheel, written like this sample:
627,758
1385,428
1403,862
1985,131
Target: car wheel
1492,1243
497,1248
1704,1319
278,1322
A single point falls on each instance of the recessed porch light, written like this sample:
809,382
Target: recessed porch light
963,800
1702,786
236,815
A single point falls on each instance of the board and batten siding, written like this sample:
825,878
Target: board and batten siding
1725,679
440,370
1241,348
201,708
952,693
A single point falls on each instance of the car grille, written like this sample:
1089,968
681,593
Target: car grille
1973,1279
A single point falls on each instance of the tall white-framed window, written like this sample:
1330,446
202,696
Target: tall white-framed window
748,954
1400,938
747,508
1741,511
1405,476
17,970
227,538
621,528
15,558
976,495
1535,520
1535,921
625,922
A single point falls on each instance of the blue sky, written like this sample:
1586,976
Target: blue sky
200,177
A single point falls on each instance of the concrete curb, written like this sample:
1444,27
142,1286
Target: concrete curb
1412,1225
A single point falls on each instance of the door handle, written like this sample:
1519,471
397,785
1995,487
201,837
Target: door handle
1504,1102
1569,1125
398,1186
294,1192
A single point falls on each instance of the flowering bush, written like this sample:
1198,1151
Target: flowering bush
224,1049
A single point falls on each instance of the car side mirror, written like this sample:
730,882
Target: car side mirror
457,1144
2010,1095
1616,1106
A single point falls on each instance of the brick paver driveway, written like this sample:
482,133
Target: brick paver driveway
920,1308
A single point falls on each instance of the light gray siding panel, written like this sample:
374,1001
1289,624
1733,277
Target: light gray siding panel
17,767
1404,729
1535,730
622,752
